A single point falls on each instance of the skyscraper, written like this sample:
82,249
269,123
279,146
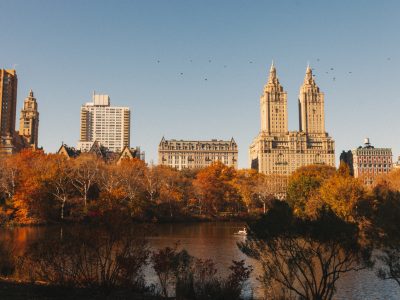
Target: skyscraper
29,121
278,151
106,124
8,104
311,107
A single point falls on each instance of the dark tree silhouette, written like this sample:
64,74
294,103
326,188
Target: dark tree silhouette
304,258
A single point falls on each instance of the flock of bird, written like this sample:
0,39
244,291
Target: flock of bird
330,72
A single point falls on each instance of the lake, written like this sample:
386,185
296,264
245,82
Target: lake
218,242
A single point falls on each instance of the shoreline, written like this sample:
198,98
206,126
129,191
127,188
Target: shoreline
15,290
174,220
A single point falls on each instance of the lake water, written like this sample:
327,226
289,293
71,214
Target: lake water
218,242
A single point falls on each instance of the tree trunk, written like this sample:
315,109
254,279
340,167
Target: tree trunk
62,208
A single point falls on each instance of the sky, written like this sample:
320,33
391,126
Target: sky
155,57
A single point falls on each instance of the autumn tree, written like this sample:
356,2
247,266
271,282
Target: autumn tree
85,173
341,193
245,182
132,174
8,178
171,187
392,179
215,189
304,183
30,201
152,183
58,179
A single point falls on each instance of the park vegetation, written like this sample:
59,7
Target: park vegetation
325,224
39,188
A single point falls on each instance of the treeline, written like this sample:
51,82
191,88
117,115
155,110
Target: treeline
42,188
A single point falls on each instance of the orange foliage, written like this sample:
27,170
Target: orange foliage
214,186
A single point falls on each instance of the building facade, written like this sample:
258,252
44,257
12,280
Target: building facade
367,162
180,154
8,104
278,151
29,121
106,124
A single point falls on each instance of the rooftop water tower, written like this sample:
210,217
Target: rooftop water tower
366,142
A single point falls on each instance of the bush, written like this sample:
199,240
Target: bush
109,256
195,278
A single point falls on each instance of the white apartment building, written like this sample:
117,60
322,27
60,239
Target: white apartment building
180,154
106,124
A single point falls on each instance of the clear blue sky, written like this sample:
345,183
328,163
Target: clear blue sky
64,50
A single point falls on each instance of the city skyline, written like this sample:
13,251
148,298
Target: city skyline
158,66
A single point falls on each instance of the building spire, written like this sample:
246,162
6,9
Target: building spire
30,93
272,73
308,79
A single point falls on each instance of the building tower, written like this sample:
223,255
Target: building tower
29,121
279,152
273,104
105,124
8,104
311,106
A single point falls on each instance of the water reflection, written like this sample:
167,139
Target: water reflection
218,242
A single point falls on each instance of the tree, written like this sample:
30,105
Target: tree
245,183
58,179
304,183
384,231
112,255
390,263
8,178
132,181
30,199
152,182
341,193
304,258
171,187
214,186
269,187
85,171
392,180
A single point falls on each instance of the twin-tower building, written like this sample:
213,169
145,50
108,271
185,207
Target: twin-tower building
276,150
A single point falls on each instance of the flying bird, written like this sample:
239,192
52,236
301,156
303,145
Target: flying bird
331,69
